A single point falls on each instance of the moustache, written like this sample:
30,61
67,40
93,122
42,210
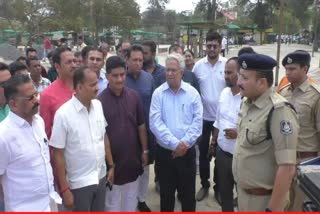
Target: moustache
35,106
241,87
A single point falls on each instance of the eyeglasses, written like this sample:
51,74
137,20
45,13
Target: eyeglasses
172,70
209,46
29,98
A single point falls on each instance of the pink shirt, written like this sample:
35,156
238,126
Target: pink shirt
51,99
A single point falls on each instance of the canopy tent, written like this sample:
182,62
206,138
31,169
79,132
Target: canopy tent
233,27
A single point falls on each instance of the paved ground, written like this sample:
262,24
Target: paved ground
209,204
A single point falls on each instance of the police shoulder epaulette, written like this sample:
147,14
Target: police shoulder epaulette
284,86
315,86
275,106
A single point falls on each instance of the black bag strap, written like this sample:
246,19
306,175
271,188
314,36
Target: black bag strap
270,116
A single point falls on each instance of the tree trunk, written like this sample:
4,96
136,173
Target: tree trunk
261,35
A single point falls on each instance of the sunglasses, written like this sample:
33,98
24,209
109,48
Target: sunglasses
212,46
29,98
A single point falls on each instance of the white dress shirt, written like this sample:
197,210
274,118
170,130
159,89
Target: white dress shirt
81,134
25,168
227,117
176,117
211,82
102,81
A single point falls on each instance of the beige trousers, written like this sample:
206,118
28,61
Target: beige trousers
255,203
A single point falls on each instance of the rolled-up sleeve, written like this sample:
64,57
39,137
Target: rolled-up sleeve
164,136
284,131
195,129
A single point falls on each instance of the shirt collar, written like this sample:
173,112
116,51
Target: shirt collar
262,101
304,86
131,76
77,104
207,61
63,85
17,119
113,94
5,108
102,74
183,86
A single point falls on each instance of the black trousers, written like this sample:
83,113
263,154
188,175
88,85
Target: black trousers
204,161
223,51
225,177
156,164
177,174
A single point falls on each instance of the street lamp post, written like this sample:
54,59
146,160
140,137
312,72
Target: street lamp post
279,41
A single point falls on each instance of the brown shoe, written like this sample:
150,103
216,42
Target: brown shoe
203,192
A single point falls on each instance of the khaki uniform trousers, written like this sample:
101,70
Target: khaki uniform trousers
255,203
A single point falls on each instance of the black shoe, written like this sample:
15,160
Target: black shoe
218,198
203,192
143,207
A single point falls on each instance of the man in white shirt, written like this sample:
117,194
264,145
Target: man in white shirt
80,146
176,121
224,43
210,74
25,169
81,43
225,133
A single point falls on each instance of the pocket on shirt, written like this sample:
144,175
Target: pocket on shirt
101,129
305,115
255,135
187,113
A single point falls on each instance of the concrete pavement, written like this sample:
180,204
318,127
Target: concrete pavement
209,203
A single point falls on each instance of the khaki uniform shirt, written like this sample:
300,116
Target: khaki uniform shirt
256,160
306,100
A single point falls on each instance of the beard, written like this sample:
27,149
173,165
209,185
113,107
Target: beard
212,55
229,84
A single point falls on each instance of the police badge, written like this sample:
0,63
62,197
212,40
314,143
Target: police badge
289,60
285,127
244,65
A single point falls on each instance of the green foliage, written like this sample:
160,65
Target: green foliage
71,15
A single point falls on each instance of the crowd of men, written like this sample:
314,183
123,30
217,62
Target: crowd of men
82,136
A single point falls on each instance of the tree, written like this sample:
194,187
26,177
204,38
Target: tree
158,3
32,14
206,9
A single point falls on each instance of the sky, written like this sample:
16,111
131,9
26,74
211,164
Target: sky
177,5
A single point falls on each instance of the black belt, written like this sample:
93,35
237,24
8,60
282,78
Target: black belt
228,154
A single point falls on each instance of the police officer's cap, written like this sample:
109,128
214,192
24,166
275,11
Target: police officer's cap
297,57
257,62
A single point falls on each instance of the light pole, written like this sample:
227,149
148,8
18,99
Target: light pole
279,41
315,26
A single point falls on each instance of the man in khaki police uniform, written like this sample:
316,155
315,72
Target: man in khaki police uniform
263,167
304,95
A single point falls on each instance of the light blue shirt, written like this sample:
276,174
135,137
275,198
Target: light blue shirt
102,81
176,117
